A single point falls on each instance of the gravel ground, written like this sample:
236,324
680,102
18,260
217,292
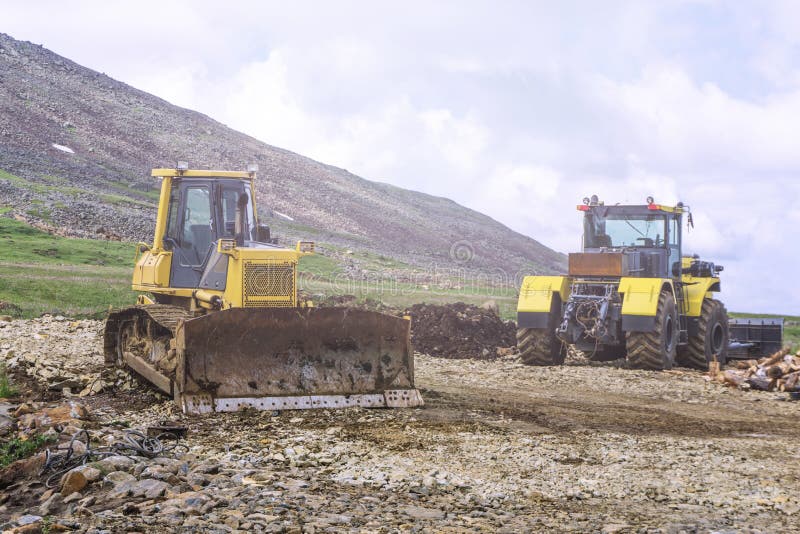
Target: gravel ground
499,446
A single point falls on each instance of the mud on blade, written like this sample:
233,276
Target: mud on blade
294,358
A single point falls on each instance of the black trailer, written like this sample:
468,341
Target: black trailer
754,338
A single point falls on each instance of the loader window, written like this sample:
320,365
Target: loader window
624,231
197,226
674,255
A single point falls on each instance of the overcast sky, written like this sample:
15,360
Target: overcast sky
516,109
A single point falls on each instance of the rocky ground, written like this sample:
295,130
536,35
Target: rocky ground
499,446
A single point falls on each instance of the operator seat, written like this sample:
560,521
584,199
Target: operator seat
602,240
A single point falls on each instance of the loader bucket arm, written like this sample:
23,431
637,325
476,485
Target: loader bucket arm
294,358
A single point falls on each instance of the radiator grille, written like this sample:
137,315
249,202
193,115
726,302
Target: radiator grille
268,285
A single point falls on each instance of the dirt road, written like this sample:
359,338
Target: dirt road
499,446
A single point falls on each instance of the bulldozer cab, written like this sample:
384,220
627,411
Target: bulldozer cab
203,210
648,236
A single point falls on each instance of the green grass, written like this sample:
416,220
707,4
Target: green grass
17,449
41,273
40,212
21,243
318,265
322,275
6,388
119,199
403,295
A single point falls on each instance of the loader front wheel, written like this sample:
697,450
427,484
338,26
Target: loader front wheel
656,350
540,346
711,339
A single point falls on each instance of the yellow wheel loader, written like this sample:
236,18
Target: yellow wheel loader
218,324
630,293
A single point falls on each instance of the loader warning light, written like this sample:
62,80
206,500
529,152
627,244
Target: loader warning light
583,207
654,206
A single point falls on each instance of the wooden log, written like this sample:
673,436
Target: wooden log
791,381
764,384
773,359
778,370
746,364
732,378
713,368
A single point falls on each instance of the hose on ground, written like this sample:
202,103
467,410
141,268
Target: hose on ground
65,457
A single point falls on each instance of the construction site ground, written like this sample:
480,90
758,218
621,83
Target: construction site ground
499,446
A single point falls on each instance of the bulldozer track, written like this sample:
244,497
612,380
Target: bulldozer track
164,315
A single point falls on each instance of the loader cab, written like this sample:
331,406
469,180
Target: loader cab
648,236
201,211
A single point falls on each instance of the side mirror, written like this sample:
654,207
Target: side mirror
676,269
263,234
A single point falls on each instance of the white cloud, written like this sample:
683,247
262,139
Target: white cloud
674,121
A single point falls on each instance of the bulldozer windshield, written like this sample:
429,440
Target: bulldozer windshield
623,230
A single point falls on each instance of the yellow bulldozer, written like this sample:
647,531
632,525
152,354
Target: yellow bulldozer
218,324
630,293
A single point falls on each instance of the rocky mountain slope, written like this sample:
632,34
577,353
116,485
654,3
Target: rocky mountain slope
76,148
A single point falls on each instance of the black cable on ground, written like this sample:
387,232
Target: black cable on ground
64,458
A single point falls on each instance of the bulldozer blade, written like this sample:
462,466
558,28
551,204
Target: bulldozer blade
294,358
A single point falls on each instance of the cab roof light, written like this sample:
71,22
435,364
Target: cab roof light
651,205
182,166
583,207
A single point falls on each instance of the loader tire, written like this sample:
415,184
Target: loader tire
711,339
538,346
656,350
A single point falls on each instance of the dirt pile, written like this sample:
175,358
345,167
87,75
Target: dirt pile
459,331
351,301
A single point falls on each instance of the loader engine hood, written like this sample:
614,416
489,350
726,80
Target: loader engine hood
643,263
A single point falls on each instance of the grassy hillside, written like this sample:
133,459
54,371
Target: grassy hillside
43,273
